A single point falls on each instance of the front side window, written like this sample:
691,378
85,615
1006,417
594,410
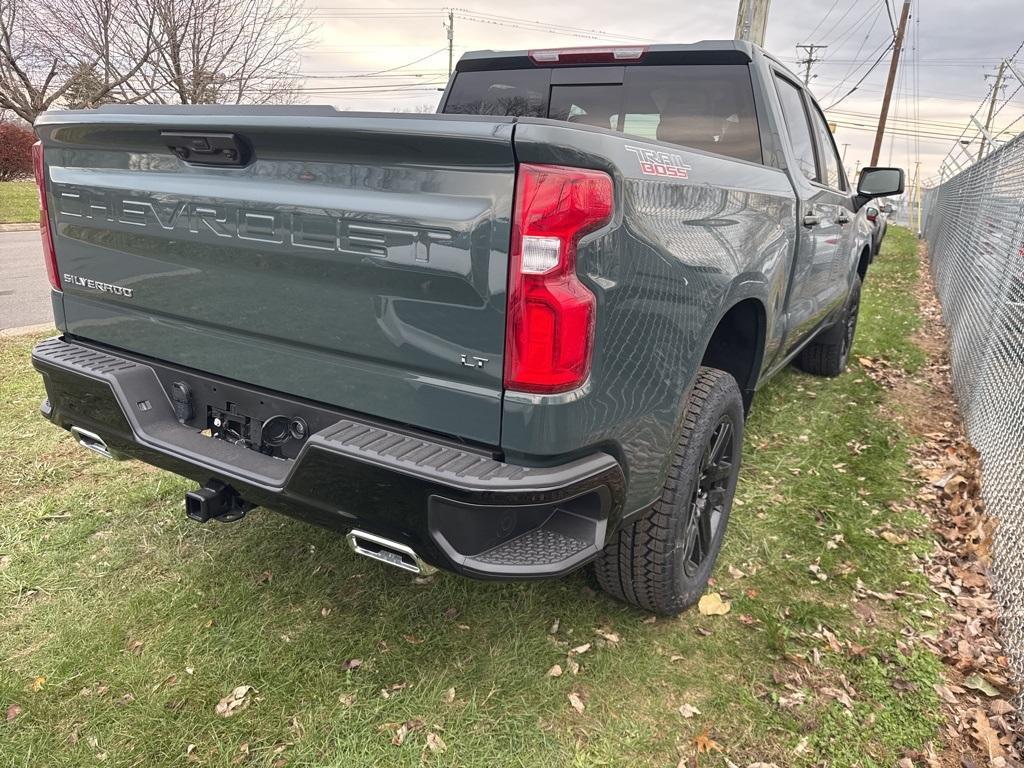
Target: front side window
706,107
798,127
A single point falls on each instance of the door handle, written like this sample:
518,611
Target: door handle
811,220
843,218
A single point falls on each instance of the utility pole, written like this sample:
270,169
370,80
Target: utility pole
752,20
450,27
893,66
845,147
992,106
810,48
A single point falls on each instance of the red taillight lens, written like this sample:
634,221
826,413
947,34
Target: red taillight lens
550,325
49,255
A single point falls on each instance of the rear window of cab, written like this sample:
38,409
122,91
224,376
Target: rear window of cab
702,106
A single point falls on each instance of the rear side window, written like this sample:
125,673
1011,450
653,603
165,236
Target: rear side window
830,173
504,93
706,107
799,129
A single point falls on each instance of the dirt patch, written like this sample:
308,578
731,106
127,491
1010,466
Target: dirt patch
982,728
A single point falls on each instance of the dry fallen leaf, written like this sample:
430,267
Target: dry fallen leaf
735,572
688,711
1001,707
986,735
352,664
555,671
945,694
435,743
611,637
235,701
449,696
392,689
404,730
580,649
712,604
893,538
13,711
135,647
576,702
705,743
38,683
841,696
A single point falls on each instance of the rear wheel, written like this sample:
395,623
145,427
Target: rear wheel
662,561
829,353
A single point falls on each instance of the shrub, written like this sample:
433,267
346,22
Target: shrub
15,151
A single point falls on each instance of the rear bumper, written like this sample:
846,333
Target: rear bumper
459,508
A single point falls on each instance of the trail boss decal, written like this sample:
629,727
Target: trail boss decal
656,163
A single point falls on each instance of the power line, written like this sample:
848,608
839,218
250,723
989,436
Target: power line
863,77
892,17
823,18
824,35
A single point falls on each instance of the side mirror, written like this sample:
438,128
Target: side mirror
871,213
878,182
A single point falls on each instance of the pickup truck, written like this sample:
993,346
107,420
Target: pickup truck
506,340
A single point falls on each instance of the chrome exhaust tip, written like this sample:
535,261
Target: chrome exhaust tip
387,551
93,442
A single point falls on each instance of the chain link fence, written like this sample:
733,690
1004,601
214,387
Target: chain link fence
974,226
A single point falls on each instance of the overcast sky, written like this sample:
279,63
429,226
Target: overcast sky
955,44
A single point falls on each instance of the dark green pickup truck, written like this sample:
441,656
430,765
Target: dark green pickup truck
505,340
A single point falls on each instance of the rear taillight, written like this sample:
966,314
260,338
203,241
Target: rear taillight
550,326
49,255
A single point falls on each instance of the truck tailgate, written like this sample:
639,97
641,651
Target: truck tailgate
356,260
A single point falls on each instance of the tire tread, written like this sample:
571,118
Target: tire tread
637,565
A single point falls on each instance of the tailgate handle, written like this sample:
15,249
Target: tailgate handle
198,148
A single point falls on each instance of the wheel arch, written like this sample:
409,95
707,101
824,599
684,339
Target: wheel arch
737,343
863,261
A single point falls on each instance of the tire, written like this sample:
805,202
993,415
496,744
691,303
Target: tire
661,561
829,352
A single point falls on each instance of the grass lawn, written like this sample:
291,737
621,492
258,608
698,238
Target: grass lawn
122,625
19,202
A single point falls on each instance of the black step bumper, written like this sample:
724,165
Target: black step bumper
460,508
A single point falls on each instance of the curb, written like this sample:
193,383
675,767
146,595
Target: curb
25,330
25,227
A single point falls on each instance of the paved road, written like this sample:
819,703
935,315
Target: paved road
24,289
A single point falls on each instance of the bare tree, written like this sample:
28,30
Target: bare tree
83,53
228,51
92,48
